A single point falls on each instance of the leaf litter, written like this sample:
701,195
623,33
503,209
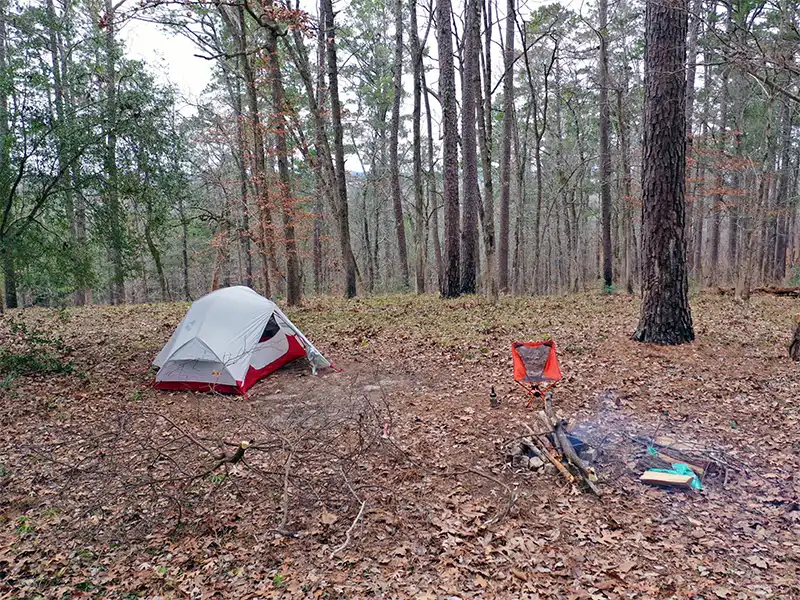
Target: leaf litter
395,465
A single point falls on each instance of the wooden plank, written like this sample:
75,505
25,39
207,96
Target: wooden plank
671,459
669,479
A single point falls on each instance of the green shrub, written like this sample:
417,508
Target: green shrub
31,351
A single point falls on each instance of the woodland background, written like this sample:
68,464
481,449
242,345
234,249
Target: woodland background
108,193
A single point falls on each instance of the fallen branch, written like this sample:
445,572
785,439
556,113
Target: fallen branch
350,530
225,459
573,458
543,453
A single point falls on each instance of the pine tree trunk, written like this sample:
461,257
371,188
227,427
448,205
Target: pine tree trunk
627,185
294,286
83,269
113,210
469,152
447,95
323,166
484,106
691,72
605,148
420,222
246,274
433,203
665,314
342,212
505,147
6,199
266,240
782,195
394,164
719,196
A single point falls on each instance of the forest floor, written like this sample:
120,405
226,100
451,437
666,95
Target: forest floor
108,488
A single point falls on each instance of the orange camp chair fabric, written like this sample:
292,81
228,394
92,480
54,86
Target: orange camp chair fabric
535,362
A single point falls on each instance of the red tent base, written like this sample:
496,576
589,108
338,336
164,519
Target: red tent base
295,351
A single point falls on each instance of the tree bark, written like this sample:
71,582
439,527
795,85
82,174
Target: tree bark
420,251
691,72
113,210
9,277
266,231
627,184
505,147
485,136
447,95
394,142
9,273
665,314
348,259
187,296
719,196
605,148
294,285
782,195
433,204
469,152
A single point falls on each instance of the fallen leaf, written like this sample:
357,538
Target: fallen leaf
757,561
521,575
625,566
328,518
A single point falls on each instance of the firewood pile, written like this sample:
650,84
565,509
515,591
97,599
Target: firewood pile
548,444
664,451
553,447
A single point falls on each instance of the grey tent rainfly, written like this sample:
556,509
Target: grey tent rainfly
229,340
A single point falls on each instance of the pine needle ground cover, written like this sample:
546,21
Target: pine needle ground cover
388,479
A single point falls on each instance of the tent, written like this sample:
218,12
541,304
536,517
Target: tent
229,340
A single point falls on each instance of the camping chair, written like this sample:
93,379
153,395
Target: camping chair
535,367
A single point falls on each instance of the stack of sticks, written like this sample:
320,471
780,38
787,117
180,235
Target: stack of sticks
555,446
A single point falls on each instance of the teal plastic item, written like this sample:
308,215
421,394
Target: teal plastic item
678,469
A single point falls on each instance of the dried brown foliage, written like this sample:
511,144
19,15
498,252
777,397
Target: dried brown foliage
111,489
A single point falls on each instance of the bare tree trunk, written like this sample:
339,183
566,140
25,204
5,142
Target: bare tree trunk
343,219
691,72
420,250
719,197
665,317
605,148
9,273
752,216
782,195
699,207
239,157
447,95
294,285
184,248
113,210
394,165
9,277
156,255
266,231
627,184
469,153
521,153
433,203
505,147
484,106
